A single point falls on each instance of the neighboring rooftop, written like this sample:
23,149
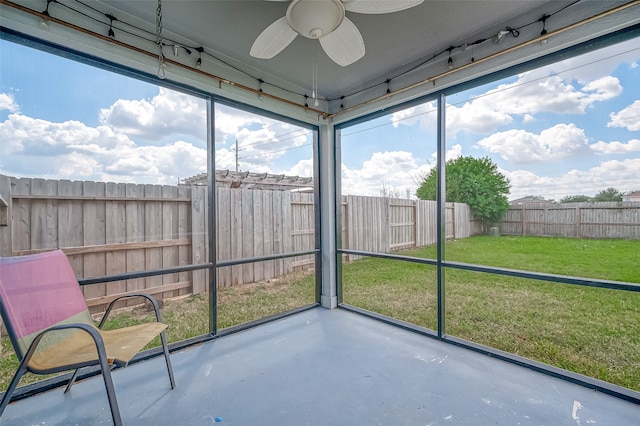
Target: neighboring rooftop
631,196
529,199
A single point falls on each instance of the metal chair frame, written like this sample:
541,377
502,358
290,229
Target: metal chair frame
102,360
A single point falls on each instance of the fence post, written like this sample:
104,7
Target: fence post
386,224
577,221
453,220
5,224
5,216
344,205
415,223
524,221
199,237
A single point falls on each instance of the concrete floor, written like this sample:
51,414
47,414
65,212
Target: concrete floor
328,367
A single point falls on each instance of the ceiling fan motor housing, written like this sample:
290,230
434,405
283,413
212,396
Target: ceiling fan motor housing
315,19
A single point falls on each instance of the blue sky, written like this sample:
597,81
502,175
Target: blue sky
569,128
565,129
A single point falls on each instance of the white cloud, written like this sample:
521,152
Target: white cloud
72,150
603,89
261,141
139,141
263,146
594,65
521,147
616,147
303,168
399,171
629,117
225,159
425,115
622,175
530,94
167,113
395,169
31,136
480,115
8,103
452,153
229,121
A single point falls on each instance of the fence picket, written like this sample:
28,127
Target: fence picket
583,220
115,232
258,234
134,217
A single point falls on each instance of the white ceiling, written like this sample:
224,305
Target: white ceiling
391,40
400,46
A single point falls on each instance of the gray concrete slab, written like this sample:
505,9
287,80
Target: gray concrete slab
328,367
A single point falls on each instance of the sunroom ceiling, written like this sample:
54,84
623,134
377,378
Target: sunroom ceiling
391,40
403,49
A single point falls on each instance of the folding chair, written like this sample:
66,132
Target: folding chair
51,329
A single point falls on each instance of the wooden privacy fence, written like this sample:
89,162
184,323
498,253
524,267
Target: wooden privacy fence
109,228
253,223
380,224
578,220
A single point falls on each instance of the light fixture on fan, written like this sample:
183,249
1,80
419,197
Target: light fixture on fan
314,19
325,21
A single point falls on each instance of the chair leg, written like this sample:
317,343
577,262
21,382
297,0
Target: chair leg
12,386
73,379
165,349
108,383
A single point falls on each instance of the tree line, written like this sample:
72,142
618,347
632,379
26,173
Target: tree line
478,183
609,194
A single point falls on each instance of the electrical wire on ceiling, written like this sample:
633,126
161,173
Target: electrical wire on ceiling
514,32
114,26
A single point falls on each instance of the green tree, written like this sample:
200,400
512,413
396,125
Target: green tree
609,194
575,199
475,182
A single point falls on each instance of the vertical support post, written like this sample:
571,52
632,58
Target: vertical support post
441,216
317,222
212,234
328,181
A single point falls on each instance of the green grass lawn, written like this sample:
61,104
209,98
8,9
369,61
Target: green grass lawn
591,331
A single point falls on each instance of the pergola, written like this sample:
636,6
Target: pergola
423,52
248,180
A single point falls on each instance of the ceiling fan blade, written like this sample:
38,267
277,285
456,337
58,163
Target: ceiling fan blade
378,6
344,45
273,40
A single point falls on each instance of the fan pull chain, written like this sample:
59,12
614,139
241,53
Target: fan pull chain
314,91
161,73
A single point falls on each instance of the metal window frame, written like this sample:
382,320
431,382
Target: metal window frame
442,264
211,100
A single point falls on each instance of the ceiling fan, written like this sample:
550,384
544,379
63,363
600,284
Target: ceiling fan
325,21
